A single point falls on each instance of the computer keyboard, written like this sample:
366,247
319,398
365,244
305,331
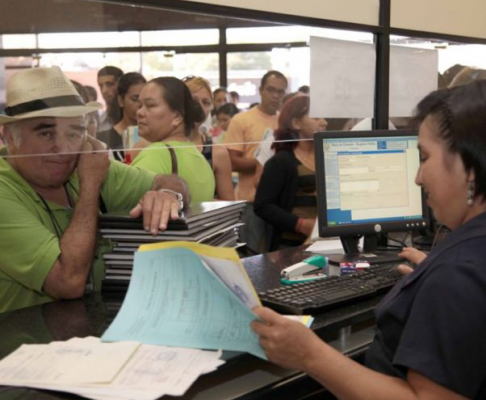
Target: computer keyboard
316,296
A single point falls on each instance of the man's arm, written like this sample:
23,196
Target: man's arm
157,206
67,278
240,163
236,140
173,182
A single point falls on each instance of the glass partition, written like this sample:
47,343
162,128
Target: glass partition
157,41
435,64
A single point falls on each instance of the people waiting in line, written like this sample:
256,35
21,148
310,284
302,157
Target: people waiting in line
245,131
129,87
166,119
217,156
92,93
54,184
92,117
204,97
223,115
234,97
264,151
220,96
450,73
430,326
107,82
468,75
304,89
286,195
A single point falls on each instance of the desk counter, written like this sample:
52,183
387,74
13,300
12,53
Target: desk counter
348,329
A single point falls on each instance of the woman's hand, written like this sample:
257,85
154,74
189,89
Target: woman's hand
412,255
305,225
287,343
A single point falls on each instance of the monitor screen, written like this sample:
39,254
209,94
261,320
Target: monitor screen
366,183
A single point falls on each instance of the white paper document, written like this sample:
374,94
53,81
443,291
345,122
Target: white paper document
342,78
94,362
413,75
148,372
330,246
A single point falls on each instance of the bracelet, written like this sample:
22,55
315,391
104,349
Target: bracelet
177,195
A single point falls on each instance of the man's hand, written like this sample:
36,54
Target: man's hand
93,163
67,278
156,207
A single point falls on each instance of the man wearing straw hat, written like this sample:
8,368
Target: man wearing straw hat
53,184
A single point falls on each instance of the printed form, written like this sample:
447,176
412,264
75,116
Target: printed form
177,299
107,371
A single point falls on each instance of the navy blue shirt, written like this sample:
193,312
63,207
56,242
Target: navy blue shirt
434,320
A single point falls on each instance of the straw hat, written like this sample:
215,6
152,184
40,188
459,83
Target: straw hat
43,92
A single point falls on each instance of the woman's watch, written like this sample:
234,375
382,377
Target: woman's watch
177,195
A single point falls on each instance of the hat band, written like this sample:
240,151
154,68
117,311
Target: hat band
37,105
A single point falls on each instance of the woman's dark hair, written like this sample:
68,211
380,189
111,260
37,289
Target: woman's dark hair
127,80
228,109
124,83
81,90
91,92
179,99
459,114
296,107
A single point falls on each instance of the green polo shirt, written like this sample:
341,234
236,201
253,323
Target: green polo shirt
29,244
192,167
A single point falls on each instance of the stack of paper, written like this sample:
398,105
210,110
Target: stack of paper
107,371
215,223
188,295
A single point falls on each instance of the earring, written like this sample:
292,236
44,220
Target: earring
470,193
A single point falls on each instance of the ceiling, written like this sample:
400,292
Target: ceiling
50,16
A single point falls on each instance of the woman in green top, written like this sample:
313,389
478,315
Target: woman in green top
166,118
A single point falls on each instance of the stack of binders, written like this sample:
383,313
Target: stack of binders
213,223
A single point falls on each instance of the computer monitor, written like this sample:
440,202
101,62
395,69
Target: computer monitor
365,187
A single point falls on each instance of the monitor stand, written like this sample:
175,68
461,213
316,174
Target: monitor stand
369,253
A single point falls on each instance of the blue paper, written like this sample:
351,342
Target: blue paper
174,300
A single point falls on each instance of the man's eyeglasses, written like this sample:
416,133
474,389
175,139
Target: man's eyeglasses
274,90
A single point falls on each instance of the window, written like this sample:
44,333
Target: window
180,37
161,63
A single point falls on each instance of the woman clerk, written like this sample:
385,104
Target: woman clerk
431,327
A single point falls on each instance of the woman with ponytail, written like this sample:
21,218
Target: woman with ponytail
286,193
166,119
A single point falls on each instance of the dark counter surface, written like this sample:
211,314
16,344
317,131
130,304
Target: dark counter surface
242,377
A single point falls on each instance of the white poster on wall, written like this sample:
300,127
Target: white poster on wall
413,75
342,78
